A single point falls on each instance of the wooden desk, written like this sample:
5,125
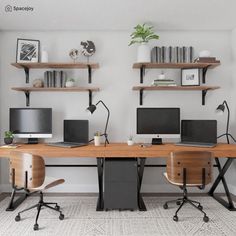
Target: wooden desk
122,150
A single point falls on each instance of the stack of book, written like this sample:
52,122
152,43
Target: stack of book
206,60
164,82
54,79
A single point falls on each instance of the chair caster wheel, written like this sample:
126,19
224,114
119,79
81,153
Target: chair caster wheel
61,217
178,203
206,219
175,218
57,208
36,227
200,207
17,218
165,206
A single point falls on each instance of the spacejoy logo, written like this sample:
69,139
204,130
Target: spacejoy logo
9,8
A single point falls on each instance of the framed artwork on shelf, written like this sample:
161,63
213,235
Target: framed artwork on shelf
27,50
190,77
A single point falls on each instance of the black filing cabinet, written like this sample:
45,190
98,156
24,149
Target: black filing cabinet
121,183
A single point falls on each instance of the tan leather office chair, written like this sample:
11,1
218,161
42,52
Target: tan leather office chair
189,169
27,172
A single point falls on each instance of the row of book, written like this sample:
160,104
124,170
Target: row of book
54,79
164,82
172,55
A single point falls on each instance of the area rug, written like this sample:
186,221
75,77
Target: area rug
82,219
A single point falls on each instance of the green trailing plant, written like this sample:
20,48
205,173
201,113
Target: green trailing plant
143,34
97,133
130,137
8,134
70,80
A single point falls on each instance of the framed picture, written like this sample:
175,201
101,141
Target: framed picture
190,77
27,50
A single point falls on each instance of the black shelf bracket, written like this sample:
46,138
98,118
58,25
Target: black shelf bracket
26,69
141,97
204,92
90,97
89,74
204,71
142,73
27,96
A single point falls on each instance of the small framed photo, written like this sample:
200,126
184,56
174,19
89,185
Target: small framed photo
27,50
190,77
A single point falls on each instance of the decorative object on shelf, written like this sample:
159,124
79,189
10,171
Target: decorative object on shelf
97,138
142,35
70,82
8,138
204,53
92,108
206,60
162,76
220,110
38,83
27,50
190,77
164,82
44,55
130,140
88,48
74,54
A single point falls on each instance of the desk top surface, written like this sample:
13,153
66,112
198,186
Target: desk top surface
117,150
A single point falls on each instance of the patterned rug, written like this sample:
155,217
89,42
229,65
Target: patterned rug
81,219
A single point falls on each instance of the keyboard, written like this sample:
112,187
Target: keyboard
67,144
196,144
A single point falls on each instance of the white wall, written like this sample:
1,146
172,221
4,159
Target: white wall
115,78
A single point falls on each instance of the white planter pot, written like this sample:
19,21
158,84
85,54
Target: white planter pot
97,140
144,54
70,84
44,56
130,142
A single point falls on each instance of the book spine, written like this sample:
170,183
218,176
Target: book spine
191,54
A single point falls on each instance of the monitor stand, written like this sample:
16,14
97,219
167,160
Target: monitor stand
157,141
32,141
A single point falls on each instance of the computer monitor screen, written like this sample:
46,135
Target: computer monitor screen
161,122
31,122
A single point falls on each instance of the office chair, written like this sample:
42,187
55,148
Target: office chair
27,173
189,169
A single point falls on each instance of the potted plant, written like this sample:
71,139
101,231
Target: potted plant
142,35
8,139
70,82
97,138
130,141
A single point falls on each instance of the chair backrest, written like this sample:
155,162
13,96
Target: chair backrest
26,168
194,162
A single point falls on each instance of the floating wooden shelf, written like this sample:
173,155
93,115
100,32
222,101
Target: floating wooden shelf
27,91
58,65
204,66
204,90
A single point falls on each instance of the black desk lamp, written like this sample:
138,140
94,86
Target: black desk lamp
220,110
92,108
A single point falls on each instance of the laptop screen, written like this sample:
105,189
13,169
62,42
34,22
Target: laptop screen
76,131
204,131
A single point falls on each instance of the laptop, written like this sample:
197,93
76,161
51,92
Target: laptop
76,134
198,133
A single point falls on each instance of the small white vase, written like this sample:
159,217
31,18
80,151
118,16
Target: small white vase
97,140
130,142
70,84
144,54
44,56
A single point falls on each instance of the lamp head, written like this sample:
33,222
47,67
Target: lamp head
220,109
91,108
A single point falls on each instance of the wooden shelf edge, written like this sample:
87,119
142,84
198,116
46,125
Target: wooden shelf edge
175,88
74,89
150,65
55,65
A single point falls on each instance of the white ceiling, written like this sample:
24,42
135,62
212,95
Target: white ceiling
119,14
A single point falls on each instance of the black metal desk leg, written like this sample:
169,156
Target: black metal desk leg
100,203
14,204
141,203
229,205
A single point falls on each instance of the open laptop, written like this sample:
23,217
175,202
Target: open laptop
199,133
76,134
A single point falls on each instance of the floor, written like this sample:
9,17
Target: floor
82,219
